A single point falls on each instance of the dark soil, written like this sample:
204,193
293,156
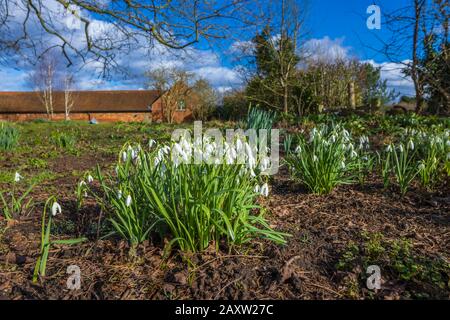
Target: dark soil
321,228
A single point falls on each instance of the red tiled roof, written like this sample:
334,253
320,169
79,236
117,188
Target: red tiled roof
84,101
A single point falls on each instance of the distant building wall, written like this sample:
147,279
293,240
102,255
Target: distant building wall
101,117
105,106
178,116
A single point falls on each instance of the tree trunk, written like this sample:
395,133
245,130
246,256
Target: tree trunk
285,100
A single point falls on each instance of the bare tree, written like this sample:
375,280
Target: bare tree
203,100
69,94
54,83
276,50
43,80
411,28
103,27
173,83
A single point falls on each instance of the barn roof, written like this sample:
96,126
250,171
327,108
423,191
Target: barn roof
84,101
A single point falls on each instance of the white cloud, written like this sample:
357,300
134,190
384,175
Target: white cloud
326,49
132,63
392,72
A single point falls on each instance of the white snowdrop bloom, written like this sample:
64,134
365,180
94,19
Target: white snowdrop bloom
353,154
421,167
157,160
151,143
345,133
128,201
90,179
264,190
264,164
298,150
343,164
56,208
124,156
239,146
230,155
365,158
166,149
209,148
82,183
448,143
119,194
250,156
315,159
411,144
389,148
400,148
256,189
17,177
333,138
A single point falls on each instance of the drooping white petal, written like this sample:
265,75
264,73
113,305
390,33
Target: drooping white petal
56,208
17,177
265,190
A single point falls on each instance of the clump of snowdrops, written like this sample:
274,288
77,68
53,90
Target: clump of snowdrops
328,158
425,155
15,204
51,209
161,188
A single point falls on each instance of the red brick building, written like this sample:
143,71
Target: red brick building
104,106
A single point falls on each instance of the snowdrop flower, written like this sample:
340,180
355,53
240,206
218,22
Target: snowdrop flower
151,143
239,146
353,154
119,194
256,189
400,148
265,164
128,201
333,138
421,167
298,150
82,183
264,190
17,177
343,164
448,143
90,179
251,158
411,144
133,154
389,148
56,208
124,156
315,159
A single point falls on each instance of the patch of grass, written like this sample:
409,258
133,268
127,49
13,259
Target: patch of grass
37,163
9,137
63,140
422,276
44,176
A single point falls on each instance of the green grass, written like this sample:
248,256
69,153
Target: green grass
9,137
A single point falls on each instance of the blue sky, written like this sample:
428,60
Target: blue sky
346,20
337,25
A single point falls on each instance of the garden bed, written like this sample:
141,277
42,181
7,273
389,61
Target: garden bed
333,238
